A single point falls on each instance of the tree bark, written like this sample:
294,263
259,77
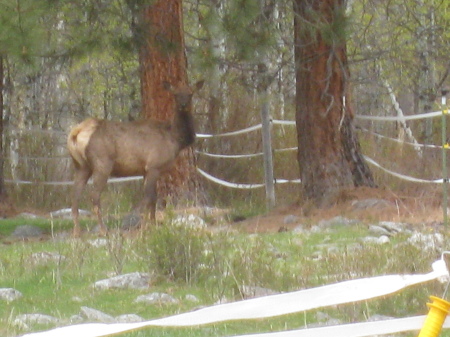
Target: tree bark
3,194
329,153
162,59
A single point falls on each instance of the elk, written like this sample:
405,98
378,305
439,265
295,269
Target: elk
101,149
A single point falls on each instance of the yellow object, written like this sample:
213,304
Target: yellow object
436,316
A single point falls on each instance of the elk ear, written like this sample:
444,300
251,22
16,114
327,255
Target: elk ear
199,85
167,86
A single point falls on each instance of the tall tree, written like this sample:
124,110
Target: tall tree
329,154
3,193
21,36
160,36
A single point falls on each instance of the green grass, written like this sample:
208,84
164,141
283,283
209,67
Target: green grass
210,266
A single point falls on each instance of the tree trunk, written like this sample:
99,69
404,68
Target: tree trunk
3,194
162,58
329,152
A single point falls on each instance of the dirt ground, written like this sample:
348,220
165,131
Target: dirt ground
420,208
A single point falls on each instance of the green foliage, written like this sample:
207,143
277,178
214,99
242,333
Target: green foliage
176,252
247,29
22,29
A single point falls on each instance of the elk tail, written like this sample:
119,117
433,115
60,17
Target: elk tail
79,138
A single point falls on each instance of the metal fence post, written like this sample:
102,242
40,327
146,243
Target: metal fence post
267,150
445,146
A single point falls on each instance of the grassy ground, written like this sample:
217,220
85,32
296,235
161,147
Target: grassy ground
209,266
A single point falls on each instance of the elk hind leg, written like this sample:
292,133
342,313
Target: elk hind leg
82,175
100,181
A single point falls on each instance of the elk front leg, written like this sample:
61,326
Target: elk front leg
80,179
150,194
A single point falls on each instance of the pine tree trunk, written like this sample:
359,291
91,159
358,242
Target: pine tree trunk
162,58
329,152
3,194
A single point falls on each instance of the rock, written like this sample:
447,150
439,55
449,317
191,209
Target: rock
393,227
27,320
46,257
191,298
97,243
427,241
378,230
66,213
94,315
389,228
26,215
290,219
9,294
131,221
129,318
127,281
336,221
370,203
76,319
383,239
191,221
156,297
299,230
379,241
27,231
252,291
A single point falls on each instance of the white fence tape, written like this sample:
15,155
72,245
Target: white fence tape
239,156
229,156
269,306
345,330
226,183
402,176
401,118
356,329
70,182
245,130
400,141
232,133
282,122
126,179
243,186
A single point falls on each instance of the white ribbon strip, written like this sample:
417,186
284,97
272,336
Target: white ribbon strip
264,307
399,140
233,133
229,156
226,183
56,183
402,176
356,329
401,118
243,186
282,122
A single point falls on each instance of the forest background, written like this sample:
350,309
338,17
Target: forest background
63,61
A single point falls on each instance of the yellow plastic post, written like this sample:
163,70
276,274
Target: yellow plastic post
439,309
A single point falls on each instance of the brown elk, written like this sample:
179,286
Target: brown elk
101,149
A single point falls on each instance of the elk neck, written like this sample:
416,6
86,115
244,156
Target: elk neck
183,127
